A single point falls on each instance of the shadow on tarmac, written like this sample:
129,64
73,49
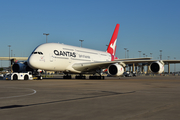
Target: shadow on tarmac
104,94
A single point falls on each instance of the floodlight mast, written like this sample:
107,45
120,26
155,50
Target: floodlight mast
46,35
9,56
139,53
125,51
81,42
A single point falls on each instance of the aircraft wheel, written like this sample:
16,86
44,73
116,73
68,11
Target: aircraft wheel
66,77
96,77
80,77
40,77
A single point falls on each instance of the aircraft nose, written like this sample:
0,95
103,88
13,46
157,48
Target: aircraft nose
32,62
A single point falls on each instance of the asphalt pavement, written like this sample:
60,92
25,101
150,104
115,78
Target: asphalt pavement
136,98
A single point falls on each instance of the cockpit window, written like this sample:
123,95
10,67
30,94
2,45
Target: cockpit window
40,53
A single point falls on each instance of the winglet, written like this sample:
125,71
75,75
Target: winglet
112,45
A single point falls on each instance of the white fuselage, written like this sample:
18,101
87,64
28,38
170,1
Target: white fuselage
60,57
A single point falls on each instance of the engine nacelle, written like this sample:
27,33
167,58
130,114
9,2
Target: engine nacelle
21,67
157,67
115,69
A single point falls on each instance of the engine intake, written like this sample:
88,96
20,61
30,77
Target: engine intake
115,69
21,67
157,67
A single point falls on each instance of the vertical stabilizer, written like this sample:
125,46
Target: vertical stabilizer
112,45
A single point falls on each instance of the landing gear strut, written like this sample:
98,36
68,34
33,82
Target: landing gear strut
96,77
80,77
99,71
67,77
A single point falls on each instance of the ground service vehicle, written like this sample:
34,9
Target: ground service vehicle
18,76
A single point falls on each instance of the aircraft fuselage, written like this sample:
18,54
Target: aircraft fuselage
60,57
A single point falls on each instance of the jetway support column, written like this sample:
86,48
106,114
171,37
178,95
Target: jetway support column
142,68
139,68
148,68
133,68
129,68
168,68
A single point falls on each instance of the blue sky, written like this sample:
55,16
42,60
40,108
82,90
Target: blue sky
145,25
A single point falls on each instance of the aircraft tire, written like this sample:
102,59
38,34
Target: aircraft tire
66,77
96,77
80,77
40,77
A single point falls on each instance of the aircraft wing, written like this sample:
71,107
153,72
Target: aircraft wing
16,58
146,58
149,61
85,67
91,66
171,61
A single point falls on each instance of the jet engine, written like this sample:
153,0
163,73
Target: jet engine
157,67
21,67
115,69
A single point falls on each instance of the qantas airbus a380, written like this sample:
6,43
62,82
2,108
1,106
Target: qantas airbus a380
71,59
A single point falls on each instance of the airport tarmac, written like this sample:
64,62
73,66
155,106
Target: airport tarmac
136,98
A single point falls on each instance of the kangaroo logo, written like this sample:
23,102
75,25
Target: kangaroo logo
113,46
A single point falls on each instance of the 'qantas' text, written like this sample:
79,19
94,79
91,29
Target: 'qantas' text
65,53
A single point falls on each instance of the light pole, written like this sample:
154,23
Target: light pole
46,42
151,55
144,54
174,66
160,54
125,51
9,51
9,55
107,46
46,35
81,42
139,53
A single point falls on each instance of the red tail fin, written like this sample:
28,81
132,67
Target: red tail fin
112,45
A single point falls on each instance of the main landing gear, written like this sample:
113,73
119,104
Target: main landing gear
67,77
96,77
80,77
84,77
76,77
